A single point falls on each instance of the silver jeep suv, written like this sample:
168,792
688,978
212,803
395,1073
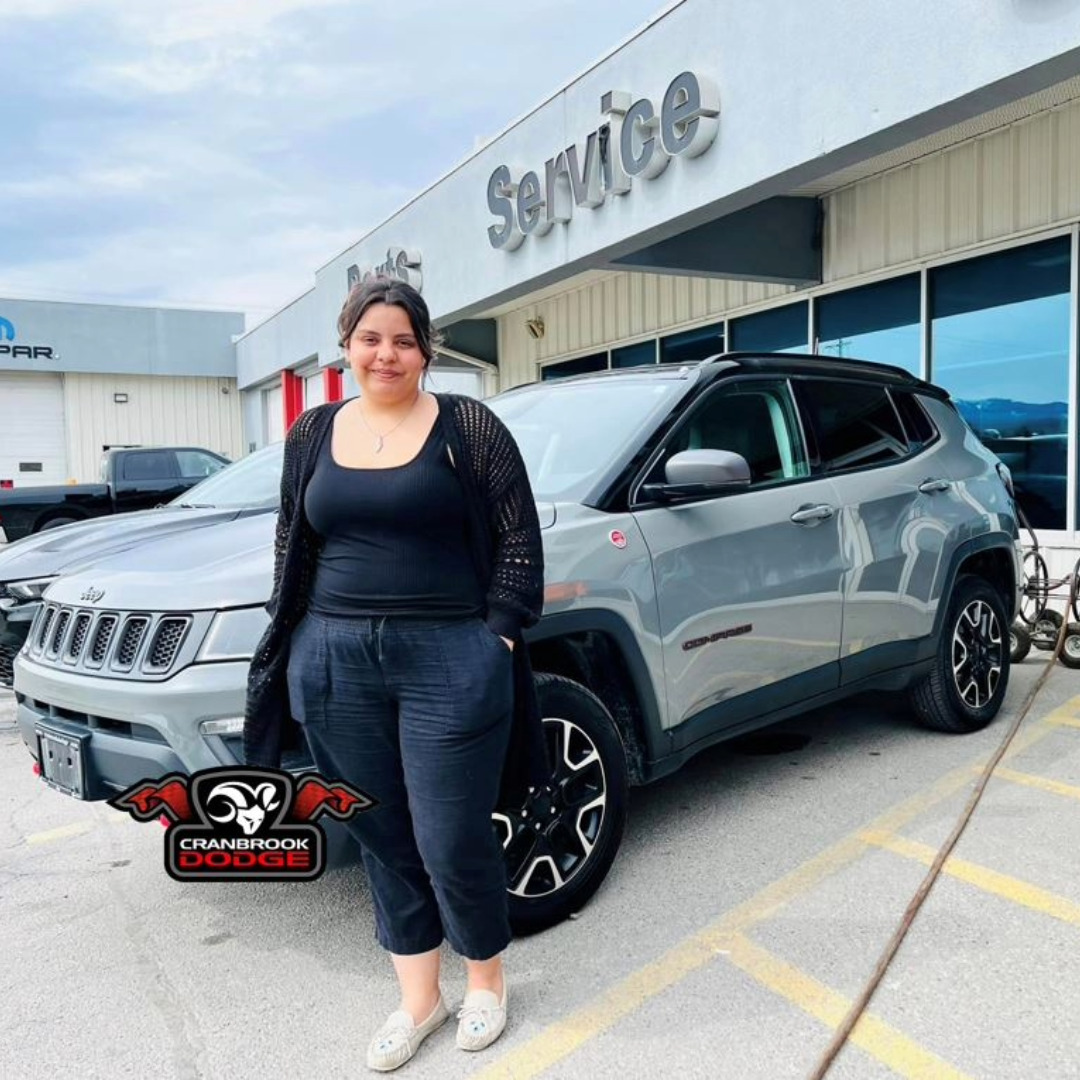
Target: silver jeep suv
726,544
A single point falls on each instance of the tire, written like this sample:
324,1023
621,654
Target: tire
1019,642
965,687
560,846
57,522
1044,634
1070,647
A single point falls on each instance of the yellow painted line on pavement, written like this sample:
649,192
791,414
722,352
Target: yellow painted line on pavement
1002,885
76,828
562,1038
1064,720
1042,783
880,1040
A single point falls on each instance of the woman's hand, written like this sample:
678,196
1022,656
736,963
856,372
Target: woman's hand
509,642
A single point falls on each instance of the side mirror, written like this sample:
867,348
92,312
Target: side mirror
696,474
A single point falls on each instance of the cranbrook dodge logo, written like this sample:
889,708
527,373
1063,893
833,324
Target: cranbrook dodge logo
20,352
240,824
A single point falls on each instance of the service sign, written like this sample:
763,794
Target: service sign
637,141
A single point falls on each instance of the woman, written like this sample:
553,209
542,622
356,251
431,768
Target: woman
408,560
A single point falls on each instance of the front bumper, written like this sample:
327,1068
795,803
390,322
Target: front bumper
138,730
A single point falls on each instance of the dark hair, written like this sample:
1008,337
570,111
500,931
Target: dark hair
387,290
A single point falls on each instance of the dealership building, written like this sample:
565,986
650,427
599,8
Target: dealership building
892,182
78,378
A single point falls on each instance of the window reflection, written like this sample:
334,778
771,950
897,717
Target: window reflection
1000,346
877,322
692,345
779,330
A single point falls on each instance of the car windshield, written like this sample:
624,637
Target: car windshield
254,481
571,432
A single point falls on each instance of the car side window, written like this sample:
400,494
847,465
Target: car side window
919,427
196,463
756,419
149,465
856,424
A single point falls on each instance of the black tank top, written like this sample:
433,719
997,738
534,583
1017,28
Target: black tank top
395,539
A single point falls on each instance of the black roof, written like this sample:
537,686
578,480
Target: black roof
774,363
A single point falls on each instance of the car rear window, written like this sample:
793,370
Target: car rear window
856,424
917,424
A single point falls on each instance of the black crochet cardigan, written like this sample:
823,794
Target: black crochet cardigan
504,534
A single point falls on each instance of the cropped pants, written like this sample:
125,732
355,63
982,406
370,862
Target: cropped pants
416,713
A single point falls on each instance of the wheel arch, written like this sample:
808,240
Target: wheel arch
599,650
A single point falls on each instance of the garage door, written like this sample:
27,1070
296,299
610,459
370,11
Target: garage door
33,442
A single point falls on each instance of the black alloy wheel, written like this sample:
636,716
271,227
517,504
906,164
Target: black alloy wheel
966,684
561,843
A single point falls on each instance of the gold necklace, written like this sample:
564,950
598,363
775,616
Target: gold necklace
379,438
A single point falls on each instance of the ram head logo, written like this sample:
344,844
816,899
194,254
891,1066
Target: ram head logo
246,805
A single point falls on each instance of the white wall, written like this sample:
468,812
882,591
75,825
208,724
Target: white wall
160,411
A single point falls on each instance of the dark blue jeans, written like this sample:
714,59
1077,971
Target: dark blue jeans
417,714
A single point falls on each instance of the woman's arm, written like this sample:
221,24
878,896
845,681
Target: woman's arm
515,595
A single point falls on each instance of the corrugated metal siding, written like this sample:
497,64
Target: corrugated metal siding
619,307
1022,177
160,411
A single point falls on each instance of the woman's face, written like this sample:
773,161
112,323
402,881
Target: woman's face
384,355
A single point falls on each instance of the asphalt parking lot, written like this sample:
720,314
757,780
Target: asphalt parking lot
749,902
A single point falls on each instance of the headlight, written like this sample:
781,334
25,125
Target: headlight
30,589
234,634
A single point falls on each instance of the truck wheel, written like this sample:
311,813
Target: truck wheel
1019,642
55,523
560,845
1070,647
1044,635
966,685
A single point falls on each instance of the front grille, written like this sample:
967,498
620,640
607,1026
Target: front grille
166,644
59,629
119,644
7,665
102,636
78,635
46,623
130,639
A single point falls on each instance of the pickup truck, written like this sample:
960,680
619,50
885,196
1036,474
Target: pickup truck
131,478
28,566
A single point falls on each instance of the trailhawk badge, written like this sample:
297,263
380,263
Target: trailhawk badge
243,824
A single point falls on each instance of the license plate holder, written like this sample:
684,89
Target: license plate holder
62,757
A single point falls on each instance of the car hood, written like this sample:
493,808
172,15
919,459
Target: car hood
55,550
230,564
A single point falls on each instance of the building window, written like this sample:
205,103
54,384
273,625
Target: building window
879,322
778,330
636,355
578,366
1000,346
692,345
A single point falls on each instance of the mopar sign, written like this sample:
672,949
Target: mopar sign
637,141
20,352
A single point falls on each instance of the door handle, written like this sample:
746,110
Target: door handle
928,487
812,515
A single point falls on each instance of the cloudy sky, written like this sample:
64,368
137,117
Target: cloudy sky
214,153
